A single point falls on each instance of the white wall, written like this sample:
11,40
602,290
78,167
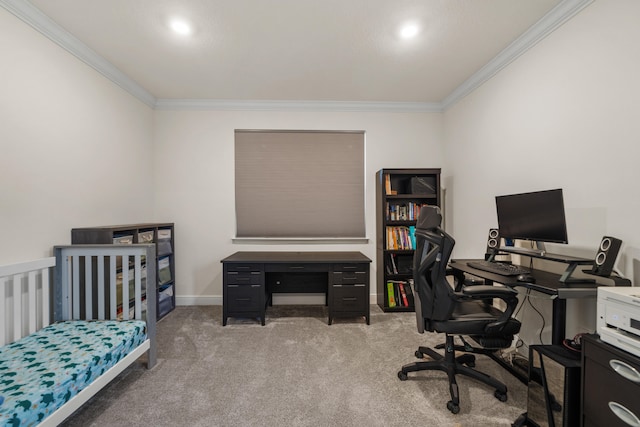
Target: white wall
563,115
194,164
74,147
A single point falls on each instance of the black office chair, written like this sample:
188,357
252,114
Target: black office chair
463,312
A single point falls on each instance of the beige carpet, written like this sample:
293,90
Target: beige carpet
294,371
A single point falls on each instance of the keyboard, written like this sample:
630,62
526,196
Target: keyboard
500,268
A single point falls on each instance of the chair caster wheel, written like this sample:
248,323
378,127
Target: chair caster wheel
419,354
453,407
502,397
402,376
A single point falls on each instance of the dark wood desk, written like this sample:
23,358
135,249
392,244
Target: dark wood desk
250,279
545,282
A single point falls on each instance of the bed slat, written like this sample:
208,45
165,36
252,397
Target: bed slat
24,289
17,305
45,300
113,304
101,287
33,300
88,282
75,293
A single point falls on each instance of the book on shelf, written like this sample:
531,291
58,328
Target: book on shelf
400,293
403,294
391,299
387,185
399,238
404,211
393,267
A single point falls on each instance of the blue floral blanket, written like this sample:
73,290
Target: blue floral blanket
42,371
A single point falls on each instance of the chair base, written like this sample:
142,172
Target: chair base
453,366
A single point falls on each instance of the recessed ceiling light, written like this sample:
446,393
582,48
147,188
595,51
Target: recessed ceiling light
181,27
409,31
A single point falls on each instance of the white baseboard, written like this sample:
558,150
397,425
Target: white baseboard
278,299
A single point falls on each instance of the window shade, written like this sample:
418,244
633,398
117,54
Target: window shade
299,184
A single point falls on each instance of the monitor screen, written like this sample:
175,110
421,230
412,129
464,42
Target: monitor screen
537,216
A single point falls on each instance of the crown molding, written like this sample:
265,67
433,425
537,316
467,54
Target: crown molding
213,104
42,23
546,25
538,31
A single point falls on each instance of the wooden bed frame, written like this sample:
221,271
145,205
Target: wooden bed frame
28,302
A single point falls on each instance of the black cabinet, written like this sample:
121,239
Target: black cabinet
162,234
243,292
400,194
611,385
250,279
348,292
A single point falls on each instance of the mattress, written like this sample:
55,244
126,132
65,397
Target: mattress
42,371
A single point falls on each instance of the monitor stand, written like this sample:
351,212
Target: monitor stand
571,261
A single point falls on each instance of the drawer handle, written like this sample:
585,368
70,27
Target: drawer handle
361,285
243,299
232,286
349,267
255,286
624,414
349,299
626,370
296,267
337,286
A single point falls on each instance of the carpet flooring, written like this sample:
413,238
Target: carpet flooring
294,371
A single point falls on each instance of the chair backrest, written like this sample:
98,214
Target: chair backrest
433,249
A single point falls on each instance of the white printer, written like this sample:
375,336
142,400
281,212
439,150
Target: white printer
618,320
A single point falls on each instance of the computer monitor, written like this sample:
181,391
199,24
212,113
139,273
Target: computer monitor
537,216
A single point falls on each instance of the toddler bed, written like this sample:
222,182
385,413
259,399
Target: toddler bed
49,369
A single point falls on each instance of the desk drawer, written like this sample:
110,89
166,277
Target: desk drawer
349,277
297,268
346,266
241,298
351,298
243,267
241,278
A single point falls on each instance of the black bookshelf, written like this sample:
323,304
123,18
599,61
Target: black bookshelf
400,194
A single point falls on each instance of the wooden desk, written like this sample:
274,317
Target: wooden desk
250,279
545,282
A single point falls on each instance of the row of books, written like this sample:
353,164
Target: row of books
401,238
399,293
403,211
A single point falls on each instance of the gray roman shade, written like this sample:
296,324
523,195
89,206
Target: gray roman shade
299,184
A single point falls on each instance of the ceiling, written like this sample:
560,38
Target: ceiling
301,50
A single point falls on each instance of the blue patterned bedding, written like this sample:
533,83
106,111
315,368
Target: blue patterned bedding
42,371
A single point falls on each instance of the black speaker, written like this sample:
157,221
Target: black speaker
606,256
493,242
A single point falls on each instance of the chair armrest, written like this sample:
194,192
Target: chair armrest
506,294
488,291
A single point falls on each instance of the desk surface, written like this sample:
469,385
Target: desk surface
546,282
296,257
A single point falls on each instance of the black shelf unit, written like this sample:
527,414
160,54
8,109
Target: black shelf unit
162,234
399,195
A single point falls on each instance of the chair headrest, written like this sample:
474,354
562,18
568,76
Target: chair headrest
430,218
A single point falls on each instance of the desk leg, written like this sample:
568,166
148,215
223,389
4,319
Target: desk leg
559,321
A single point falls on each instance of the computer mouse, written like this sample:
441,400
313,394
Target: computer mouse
526,278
